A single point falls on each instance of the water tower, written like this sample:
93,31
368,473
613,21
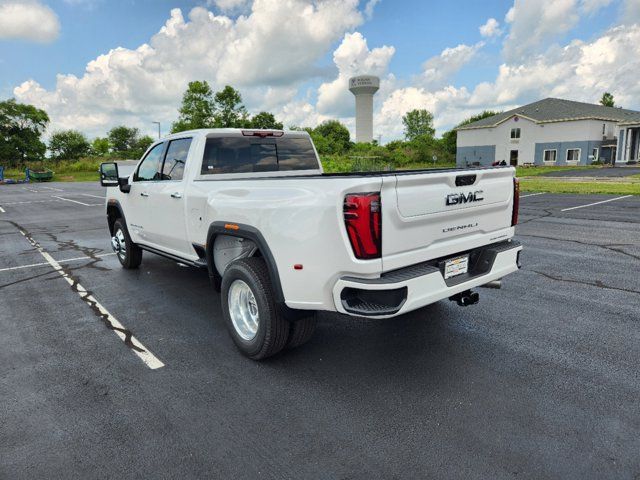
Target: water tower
364,87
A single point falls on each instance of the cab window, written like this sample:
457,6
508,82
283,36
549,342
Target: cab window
149,169
175,159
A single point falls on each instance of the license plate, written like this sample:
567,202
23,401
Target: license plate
456,266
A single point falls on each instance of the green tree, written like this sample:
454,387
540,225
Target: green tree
68,145
607,100
198,108
140,146
21,127
123,139
418,123
335,137
229,111
265,120
449,139
100,146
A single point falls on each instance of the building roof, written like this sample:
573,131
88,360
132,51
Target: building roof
559,110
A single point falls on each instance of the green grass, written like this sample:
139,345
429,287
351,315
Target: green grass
555,186
540,170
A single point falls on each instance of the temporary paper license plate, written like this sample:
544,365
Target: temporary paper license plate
456,266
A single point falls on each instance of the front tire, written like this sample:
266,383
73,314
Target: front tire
253,320
129,254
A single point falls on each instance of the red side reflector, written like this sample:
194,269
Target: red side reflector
516,202
297,266
363,219
262,133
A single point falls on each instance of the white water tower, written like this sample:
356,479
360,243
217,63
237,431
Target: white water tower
364,87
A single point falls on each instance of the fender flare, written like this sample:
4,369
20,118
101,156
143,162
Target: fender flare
250,233
112,203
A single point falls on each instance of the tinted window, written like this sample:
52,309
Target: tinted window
175,159
253,154
149,169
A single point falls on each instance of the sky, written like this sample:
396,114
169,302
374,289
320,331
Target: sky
94,64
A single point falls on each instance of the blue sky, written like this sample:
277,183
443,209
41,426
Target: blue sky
522,59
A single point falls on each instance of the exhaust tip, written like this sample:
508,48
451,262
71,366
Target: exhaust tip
493,284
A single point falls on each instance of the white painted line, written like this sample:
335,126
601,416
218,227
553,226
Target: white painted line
532,195
32,190
75,201
30,201
53,188
596,203
66,260
94,196
140,350
2,210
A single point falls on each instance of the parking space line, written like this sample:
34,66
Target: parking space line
112,322
66,260
596,203
75,201
2,210
94,196
532,195
53,188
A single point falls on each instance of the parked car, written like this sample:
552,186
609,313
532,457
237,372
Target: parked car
282,240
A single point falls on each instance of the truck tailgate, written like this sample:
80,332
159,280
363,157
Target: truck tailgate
434,214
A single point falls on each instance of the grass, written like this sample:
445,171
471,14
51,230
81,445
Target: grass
541,170
555,186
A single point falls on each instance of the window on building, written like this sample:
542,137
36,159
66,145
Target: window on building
515,133
573,155
550,155
594,154
604,128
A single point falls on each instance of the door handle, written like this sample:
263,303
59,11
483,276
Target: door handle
144,194
176,195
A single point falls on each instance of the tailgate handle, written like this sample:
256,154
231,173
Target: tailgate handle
464,180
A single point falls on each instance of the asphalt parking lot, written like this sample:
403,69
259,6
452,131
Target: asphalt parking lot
539,380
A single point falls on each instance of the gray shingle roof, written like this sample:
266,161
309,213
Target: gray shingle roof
559,110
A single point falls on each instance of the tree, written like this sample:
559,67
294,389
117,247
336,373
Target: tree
417,123
100,146
123,139
607,100
68,145
449,139
198,108
265,120
336,137
140,146
229,111
21,126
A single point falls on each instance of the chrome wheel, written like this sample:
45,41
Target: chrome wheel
243,310
119,244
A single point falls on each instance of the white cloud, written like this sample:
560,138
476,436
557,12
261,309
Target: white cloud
491,28
230,6
254,53
592,6
352,57
368,8
537,24
28,20
631,11
438,70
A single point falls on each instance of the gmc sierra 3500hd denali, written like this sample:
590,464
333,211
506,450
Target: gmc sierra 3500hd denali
282,240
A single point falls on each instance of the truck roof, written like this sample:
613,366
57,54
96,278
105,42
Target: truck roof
232,132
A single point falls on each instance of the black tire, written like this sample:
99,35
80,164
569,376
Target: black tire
273,329
132,258
301,331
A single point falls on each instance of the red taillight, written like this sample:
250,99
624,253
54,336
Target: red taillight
516,202
363,219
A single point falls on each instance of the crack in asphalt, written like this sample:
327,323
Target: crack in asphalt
85,295
596,283
609,247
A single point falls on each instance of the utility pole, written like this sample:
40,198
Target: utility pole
159,134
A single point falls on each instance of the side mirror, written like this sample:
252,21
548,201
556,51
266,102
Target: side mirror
109,175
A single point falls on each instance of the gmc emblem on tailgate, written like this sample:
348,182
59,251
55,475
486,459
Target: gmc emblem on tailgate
457,198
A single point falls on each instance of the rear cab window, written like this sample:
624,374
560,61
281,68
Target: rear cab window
245,154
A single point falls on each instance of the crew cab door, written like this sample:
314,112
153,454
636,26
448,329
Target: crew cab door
139,202
167,228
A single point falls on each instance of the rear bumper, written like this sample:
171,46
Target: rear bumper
416,286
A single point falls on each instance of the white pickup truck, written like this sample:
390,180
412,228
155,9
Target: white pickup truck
282,240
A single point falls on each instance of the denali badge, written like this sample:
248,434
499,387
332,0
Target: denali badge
456,198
